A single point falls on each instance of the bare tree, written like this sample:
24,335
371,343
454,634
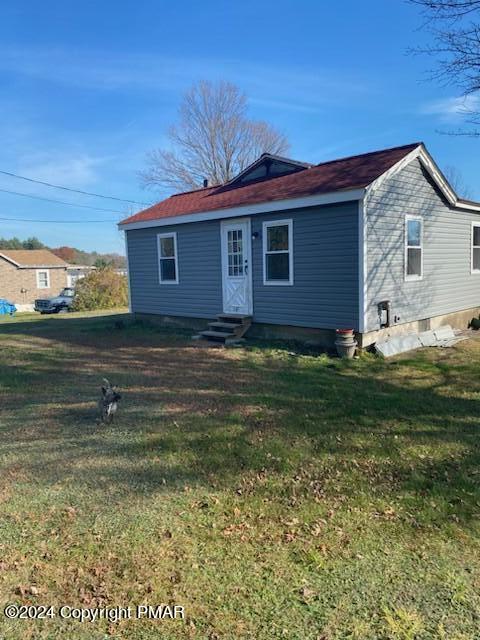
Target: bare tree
214,140
456,180
455,27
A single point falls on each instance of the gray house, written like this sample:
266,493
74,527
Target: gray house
379,243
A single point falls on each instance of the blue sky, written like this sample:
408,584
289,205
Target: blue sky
86,89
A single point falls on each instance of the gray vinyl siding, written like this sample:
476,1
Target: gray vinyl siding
199,291
447,285
324,293
325,289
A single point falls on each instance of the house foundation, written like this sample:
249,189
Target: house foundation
457,320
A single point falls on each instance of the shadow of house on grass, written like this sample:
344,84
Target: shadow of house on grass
212,419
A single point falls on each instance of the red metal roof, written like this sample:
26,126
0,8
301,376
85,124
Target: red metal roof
337,175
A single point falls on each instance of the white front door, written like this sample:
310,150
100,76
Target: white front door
236,266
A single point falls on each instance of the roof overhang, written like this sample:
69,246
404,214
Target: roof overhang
435,173
32,266
42,266
251,209
8,259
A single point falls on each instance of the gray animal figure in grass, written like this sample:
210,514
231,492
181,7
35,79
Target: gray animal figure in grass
108,403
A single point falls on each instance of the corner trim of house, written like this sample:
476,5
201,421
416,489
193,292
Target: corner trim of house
362,266
128,274
333,197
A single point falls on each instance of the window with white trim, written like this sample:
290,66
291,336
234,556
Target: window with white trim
43,279
413,248
167,258
278,252
475,266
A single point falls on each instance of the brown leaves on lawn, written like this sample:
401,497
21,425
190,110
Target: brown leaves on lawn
238,530
389,513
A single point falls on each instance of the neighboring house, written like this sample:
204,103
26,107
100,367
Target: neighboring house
76,272
377,242
29,274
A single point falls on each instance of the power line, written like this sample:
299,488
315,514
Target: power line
60,221
85,193
71,204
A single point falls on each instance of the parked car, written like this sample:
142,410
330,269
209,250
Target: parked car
58,304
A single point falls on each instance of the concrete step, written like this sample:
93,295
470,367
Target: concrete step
220,336
223,326
233,318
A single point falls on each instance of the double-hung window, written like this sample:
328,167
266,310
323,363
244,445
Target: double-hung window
413,248
278,252
43,279
167,258
475,262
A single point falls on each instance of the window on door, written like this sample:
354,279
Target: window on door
43,279
235,252
278,252
167,258
413,248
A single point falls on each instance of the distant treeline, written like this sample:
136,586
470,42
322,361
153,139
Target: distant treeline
69,254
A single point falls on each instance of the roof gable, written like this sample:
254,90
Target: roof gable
430,166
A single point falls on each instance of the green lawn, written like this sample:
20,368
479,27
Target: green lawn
273,494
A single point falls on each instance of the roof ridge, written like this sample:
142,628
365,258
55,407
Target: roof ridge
368,153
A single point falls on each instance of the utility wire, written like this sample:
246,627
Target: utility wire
60,221
71,204
85,193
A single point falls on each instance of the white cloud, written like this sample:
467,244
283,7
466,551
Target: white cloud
452,109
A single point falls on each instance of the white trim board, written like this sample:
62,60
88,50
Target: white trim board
129,286
265,226
169,234
472,247
38,272
406,276
433,170
362,267
250,209
9,259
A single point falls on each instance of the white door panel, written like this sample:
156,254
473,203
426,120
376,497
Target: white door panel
236,266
